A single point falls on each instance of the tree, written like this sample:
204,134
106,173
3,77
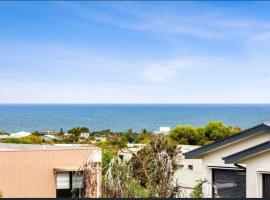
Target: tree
154,166
4,133
216,130
61,132
75,133
185,135
144,131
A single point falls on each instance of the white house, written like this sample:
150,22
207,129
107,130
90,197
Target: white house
19,134
190,172
237,166
163,130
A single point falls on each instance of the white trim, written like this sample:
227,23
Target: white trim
263,170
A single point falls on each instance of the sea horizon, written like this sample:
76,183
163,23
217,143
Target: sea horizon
122,116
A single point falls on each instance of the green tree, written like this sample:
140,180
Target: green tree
4,133
61,132
75,133
185,135
215,130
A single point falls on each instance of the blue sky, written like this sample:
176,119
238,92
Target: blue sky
134,52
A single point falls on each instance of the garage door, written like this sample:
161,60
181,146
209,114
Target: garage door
229,183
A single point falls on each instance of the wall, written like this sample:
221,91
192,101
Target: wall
255,166
214,158
30,173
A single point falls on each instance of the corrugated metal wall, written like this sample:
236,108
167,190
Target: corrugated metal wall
29,173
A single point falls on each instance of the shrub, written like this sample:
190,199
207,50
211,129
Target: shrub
197,191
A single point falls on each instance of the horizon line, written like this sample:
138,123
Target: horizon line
152,103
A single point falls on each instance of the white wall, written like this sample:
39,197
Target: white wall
256,165
214,158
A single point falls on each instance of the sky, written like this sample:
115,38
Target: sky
135,52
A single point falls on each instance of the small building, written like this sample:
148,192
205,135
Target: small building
37,171
237,166
163,130
49,137
85,135
127,153
19,134
190,172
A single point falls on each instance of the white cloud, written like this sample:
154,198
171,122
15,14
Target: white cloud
157,73
165,70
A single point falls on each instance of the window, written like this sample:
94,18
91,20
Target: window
229,183
121,157
266,185
69,184
190,167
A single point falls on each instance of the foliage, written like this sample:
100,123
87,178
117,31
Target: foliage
31,139
197,191
216,130
185,135
144,138
49,142
74,134
119,184
115,140
4,133
107,156
203,135
154,166
130,137
61,132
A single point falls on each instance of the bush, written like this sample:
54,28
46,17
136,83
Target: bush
216,130
185,135
197,191
31,139
203,135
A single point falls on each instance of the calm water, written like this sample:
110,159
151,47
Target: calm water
123,116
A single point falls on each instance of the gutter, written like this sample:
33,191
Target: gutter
239,166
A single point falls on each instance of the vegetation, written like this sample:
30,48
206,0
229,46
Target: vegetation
114,140
74,134
197,191
148,174
3,133
203,135
31,139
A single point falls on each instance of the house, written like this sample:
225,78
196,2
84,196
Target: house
237,166
190,172
19,134
85,135
163,130
186,176
49,137
126,154
37,171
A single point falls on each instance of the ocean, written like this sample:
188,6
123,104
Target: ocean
120,117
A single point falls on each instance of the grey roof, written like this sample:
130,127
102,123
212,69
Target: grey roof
247,152
245,133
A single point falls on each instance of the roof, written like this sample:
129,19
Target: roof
19,134
243,134
247,152
20,147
